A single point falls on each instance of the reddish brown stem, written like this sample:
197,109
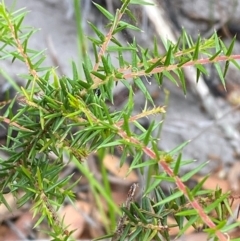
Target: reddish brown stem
194,203
175,66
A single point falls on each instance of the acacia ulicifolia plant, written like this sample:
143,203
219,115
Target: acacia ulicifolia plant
52,106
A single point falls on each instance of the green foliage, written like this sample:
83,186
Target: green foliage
148,220
64,116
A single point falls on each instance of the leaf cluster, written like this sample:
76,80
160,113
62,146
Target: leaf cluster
68,116
149,218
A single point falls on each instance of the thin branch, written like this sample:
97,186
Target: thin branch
21,51
13,123
108,38
194,203
154,111
172,67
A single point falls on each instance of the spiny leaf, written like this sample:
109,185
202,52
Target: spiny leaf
213,205
120,59
106,65
141,2
177,165
188,175
218,68
182,79
215,55
170,198
230,49
117,48
87,74
198,74
189,223
124,6
148,134
125,232
143,88
130,14
216,40
106,13
183,60
126,125
99,75
119,29
225,69
158,63
196,51
170,77
96,42
135,234
97,31
138,213
199,186
168,56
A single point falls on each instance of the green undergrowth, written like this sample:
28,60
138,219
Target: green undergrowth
68,116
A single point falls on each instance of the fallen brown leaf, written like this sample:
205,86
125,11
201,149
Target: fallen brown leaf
22,228
73,217
112,164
